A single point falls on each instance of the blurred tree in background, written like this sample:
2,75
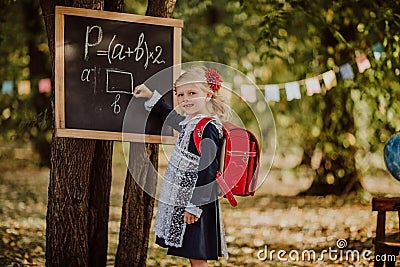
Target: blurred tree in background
25,56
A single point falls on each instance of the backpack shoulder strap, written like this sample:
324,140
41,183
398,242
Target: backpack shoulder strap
198,132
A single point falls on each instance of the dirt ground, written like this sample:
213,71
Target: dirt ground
307,230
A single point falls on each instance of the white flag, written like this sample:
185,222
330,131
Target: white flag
292,90
329,78
272,92
313,86
248,92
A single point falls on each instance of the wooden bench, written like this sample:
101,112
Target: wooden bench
387,246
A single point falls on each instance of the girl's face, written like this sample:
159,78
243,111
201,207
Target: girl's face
192,99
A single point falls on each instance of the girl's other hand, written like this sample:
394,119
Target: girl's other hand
189,218
142,91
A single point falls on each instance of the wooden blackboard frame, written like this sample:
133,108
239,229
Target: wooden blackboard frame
61,129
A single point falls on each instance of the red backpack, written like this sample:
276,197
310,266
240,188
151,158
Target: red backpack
239,159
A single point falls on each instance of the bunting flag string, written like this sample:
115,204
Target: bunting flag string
24,87
313,85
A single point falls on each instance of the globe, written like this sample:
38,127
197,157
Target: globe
392,156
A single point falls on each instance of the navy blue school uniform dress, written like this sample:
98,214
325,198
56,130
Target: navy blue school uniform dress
204,239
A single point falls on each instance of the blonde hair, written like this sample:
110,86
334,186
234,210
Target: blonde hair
197,77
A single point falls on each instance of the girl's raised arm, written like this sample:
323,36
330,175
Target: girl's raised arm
165,111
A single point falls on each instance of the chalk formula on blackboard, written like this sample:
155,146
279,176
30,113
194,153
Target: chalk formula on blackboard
118,51
103,58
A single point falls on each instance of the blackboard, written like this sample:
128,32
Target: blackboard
100,57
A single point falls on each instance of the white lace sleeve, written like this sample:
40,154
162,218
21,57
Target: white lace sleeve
191,208
149,104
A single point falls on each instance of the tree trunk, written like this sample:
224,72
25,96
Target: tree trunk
99,203
80,183
67,219
160,8
137,209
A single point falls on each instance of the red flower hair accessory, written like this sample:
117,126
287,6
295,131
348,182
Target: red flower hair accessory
213,79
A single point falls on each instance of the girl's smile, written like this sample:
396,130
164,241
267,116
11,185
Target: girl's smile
186,106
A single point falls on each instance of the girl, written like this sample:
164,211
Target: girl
188,220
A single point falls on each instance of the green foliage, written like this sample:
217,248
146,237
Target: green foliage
15,59
219,31
25,56
135,7
311,37
282,41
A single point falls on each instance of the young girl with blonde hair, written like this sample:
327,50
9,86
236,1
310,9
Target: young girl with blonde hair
188,220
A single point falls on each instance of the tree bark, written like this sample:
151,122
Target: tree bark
160,8
137,209
68,202
80,183
99,203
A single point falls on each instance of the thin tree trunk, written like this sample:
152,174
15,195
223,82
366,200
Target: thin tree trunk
99,203
80,184
137,209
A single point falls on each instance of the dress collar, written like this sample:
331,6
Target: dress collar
196,118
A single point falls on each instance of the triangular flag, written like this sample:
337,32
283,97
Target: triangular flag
292,91
45,86
248,92
346,71
313,86
378,50
24,87
272,92
362,63
7,87
329,78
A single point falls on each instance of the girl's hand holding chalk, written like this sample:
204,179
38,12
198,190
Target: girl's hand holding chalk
142,91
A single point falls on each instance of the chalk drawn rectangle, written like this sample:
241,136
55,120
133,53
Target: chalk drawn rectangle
117,81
